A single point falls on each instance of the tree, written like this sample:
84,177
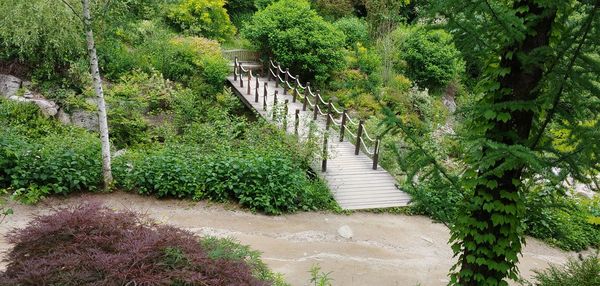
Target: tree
97,81
102,120
297,37
539,65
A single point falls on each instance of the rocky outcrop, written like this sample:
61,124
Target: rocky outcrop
9,85
14,88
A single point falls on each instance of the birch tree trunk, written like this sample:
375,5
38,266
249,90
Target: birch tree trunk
102,121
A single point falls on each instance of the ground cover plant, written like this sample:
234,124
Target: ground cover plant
90,244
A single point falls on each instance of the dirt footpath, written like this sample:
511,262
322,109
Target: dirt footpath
383,250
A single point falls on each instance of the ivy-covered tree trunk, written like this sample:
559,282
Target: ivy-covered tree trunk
102,118
489,232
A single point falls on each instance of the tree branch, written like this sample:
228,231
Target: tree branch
72,9
571,64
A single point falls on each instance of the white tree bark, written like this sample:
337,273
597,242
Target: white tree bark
103,123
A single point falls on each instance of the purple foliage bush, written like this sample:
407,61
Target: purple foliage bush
90,244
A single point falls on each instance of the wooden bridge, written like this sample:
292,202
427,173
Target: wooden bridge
349,157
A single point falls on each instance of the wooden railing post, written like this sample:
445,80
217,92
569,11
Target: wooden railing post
329,115
287,72
296,121
275,97
277,76
294,95
343,126
270,70
358,135
316,111
265,97
256,90
285,114
241,76
235,69
249,81
376,154
306,93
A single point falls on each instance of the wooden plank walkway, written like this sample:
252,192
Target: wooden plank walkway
351,178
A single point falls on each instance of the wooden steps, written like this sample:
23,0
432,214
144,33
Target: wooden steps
351,178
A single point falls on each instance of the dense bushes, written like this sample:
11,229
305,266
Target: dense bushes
584,272
562,221
428,57
93,245
206,18
39,157
355,29
44,34
297,37
269,183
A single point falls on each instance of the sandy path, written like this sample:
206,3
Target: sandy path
385,249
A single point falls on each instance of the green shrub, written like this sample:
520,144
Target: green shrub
428,57
26,119
206,18
297,37
44,34
262,4
560,221
335,8
269,183
439,203
355,29
585,272
56,164
229,249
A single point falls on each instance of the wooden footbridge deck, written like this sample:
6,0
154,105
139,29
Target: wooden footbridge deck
349,154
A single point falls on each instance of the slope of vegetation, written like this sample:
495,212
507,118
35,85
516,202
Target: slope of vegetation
488,111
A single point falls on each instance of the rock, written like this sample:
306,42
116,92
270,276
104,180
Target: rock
28,94
119,153
85,119
345,232
589,194
449,102
9,85
48,108
63,117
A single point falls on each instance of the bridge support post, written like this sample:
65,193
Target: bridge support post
358,135
343,126
296,121
376,154
256,90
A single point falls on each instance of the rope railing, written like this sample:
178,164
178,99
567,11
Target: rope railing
313,101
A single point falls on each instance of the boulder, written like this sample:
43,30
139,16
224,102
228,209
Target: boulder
9,85
48,108
345,232
85,119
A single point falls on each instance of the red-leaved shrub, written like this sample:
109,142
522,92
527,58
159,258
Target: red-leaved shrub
90,244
